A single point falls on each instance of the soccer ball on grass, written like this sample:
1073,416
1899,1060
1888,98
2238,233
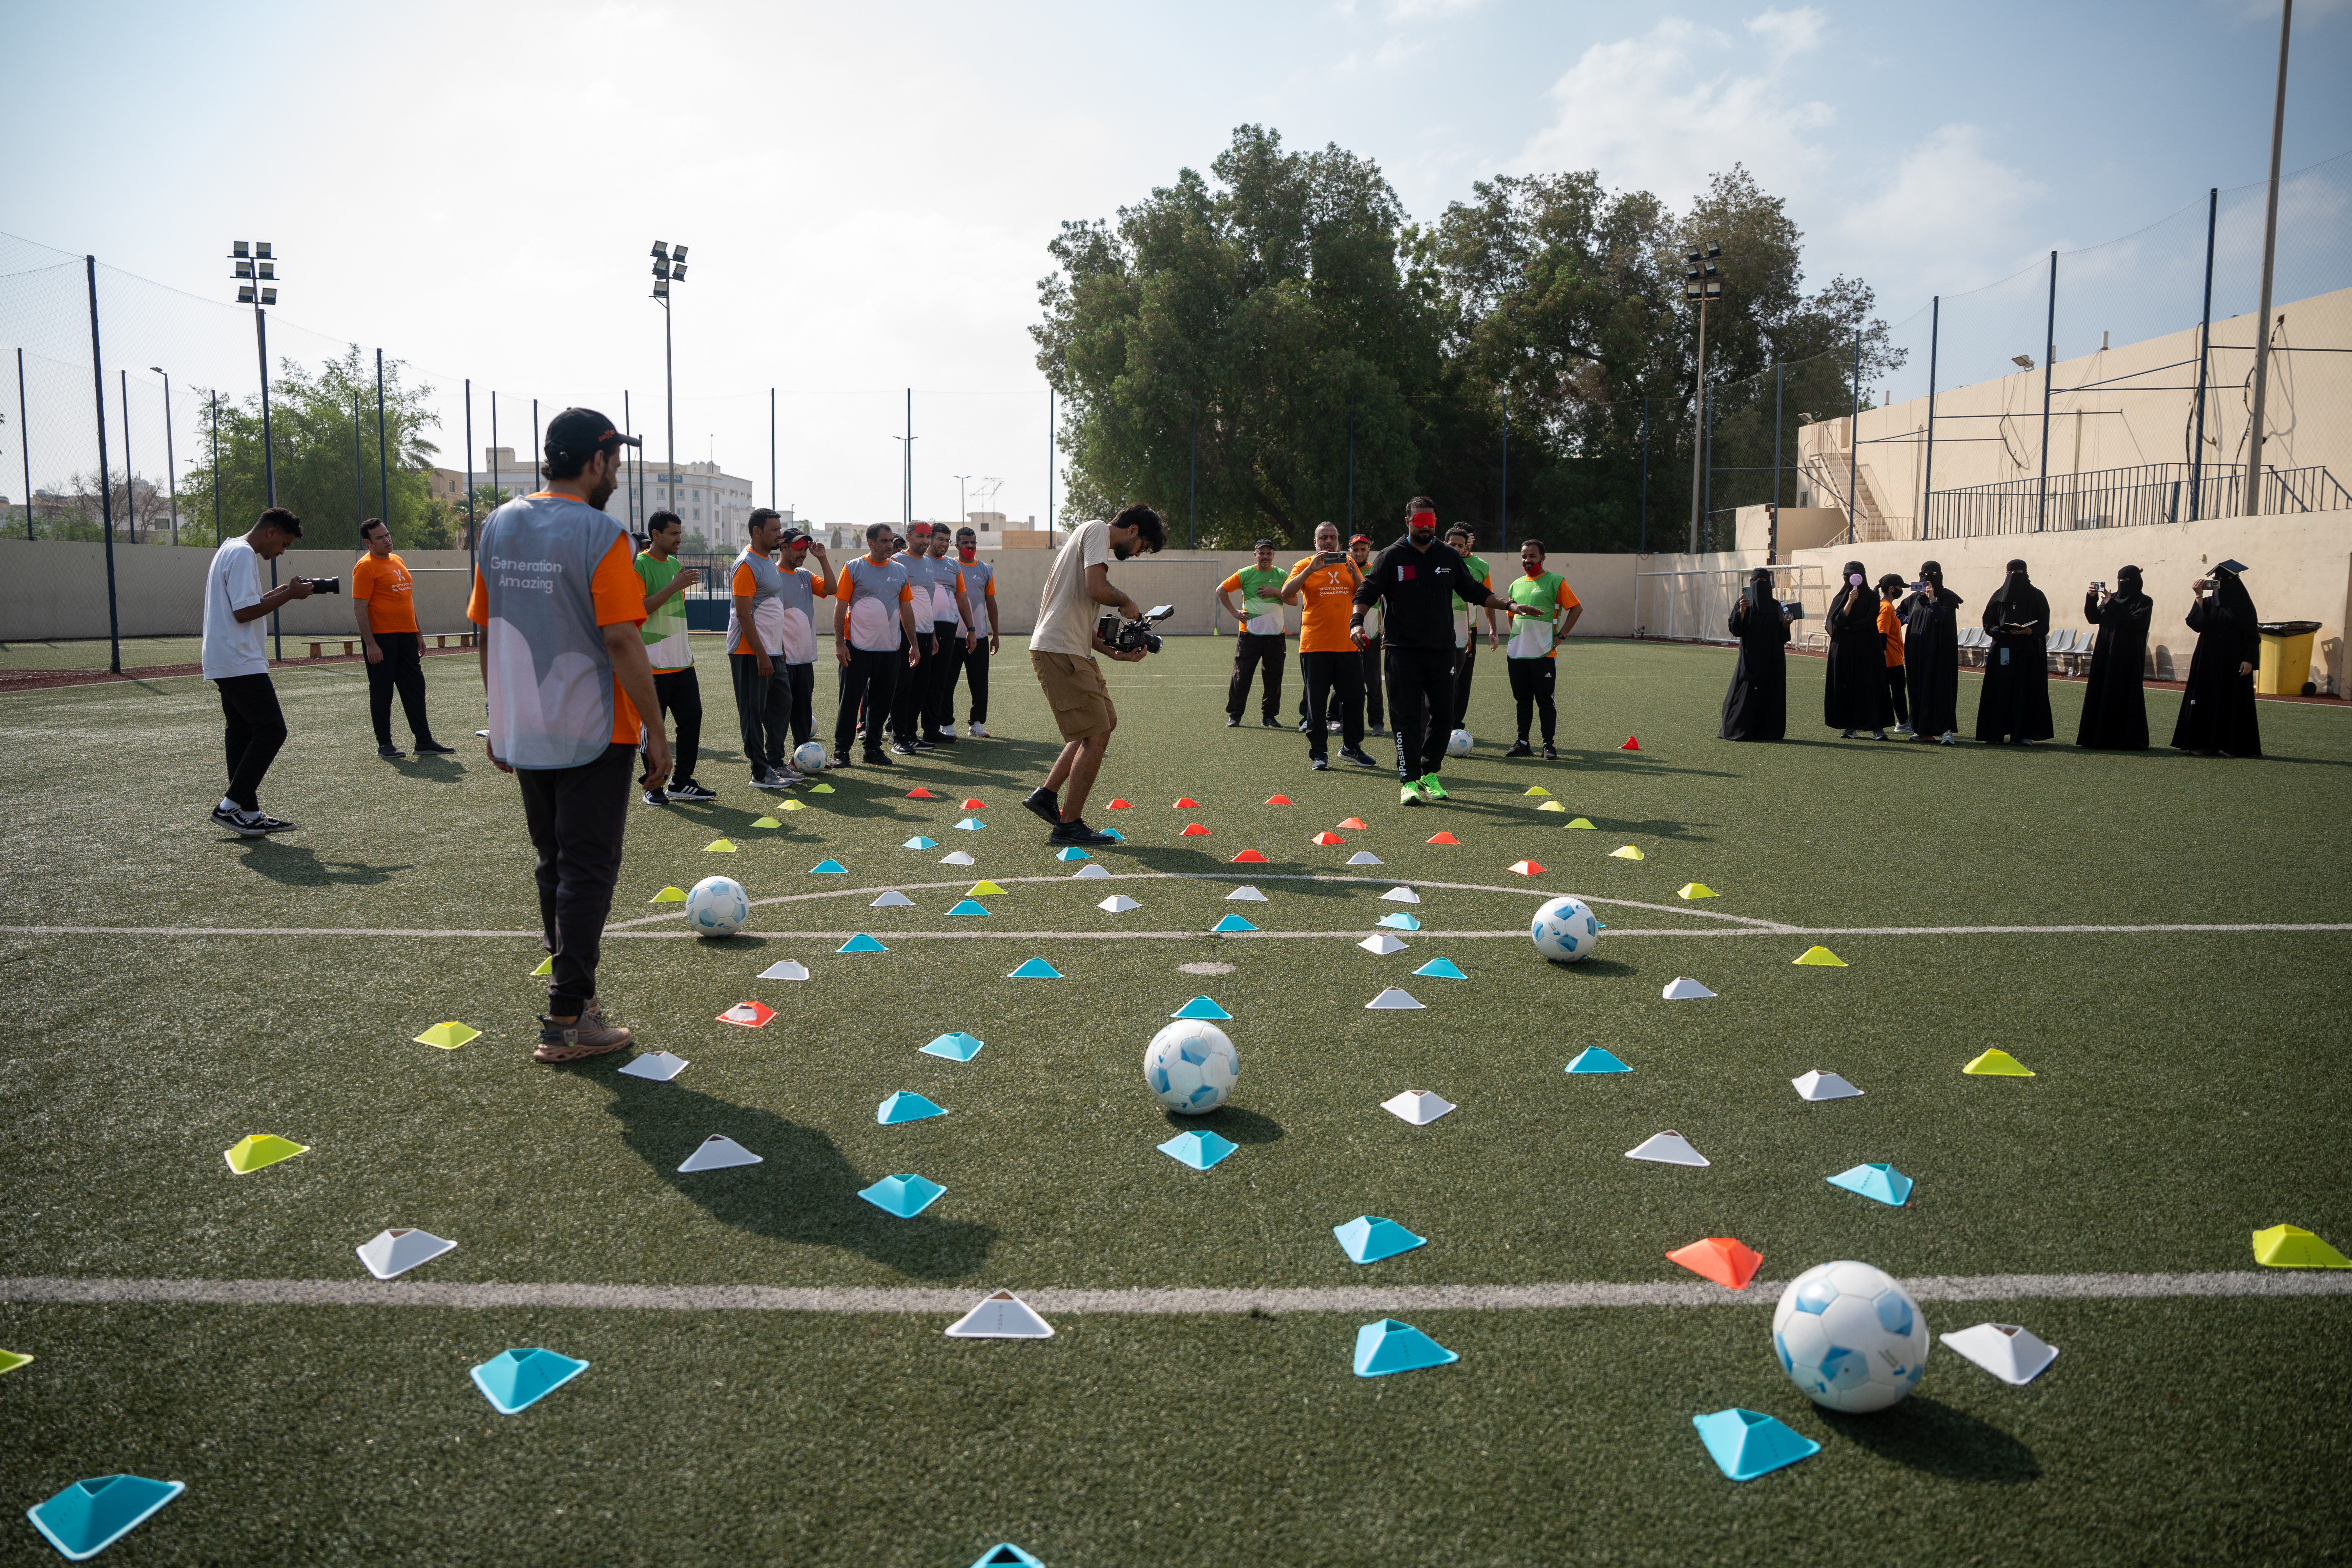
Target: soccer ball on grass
1850,1337
1460,744
717,906
1565,930
809,757
1191,1067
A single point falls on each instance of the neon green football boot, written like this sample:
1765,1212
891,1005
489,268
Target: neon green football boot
1409,794
1431,789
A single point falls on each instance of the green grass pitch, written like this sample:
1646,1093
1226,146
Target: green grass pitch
2189,1091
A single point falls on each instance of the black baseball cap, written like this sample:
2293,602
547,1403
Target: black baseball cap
795,535
1265,544
577,432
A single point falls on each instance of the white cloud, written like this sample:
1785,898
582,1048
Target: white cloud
1946,197
1789,32
1429,10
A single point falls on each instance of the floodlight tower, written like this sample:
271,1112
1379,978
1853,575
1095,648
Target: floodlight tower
1702,285
257,273
669,266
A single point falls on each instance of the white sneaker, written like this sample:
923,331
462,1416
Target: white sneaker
1900,729
978,732
947,729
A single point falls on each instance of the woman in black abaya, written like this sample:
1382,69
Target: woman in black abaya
2014,705
1757,706
2217,707
1855,697
1931,656
2115,711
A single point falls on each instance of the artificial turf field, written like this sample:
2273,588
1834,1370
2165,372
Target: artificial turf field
2191,1089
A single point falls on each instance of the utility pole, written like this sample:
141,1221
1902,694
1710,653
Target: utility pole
171,454
2270,256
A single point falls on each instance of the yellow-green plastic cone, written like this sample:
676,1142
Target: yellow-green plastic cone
1538,789
1821,956
766,822
793,805
1551,805
11,1360
1698,890
546,968
667,896
1627,853
2291,1247
719,847
1998,1064
821,789
1584,821
450,1036
251,1154
980,889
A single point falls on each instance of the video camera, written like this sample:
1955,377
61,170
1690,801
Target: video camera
1122,635
323,585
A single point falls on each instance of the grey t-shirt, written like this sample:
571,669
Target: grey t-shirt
875,594
977,576
1065,615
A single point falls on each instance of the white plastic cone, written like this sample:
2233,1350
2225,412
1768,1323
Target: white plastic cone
2011,1354
1682,988
1668,1148
398,1251
1392,1000
893,900
1247,895
1002,1316
1818,1084
1380,944
1401,896
660,1067
1093,871
1364,858
1118,904
1418,1106
718,1153
784,969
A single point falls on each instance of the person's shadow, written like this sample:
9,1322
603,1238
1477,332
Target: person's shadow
296,866
802,1192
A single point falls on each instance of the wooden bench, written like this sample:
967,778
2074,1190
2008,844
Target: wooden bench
352,645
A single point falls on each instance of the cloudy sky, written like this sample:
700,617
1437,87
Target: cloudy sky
868,190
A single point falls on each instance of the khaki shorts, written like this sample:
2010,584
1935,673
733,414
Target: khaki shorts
1075,691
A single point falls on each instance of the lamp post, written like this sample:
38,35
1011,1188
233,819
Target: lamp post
669,266
962,501
1702,285
171,458
257,273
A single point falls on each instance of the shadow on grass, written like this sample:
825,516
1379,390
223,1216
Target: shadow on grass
293,865
431,769
1231,1122
1932,1436
803,1191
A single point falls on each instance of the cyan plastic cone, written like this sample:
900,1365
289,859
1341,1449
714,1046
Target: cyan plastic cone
1231,924
1200,1007
970,907
1199,1149
1883,1183
861,943
1441,969
1369,1239
513,1381
958,1046
828,868
904,1195
1746,1444
906,1105
919,842
1390,1346
1035,969
90,1516
1597,1058
1005,1554
1072,852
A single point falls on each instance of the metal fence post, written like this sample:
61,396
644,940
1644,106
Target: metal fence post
382,473
1928,480
2049,356
1643,547
1853,453
2204,354
130,470
358,469
470,482
25,442
105,483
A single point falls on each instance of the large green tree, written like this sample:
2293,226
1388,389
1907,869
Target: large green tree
1509,358
323,441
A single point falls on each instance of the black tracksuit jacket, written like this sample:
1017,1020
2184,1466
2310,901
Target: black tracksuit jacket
1420,587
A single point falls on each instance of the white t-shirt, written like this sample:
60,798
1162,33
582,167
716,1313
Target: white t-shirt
233,582
1065,615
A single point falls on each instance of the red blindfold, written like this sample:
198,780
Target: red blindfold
1424,519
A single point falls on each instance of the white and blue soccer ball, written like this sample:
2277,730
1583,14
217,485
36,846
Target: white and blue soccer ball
1191,1067
1850,1337
809,757
717,906
1565,930
1460,744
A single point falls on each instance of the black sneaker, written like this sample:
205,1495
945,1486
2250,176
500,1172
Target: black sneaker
434,749
840,759
389,752
942,738
918,744
1276,724
690,790
1319,764
876,760
1519,748
1549,755
902,748
1232,723
763,777
1045,804
1355,754
247,824
1076,831
1377,729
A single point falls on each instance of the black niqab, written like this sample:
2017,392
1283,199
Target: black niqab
1755,708
1855,695
1931,653
2014,702
2115,707
2217,703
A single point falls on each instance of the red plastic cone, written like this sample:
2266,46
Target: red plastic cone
1630,744
1118,804
1278,800
1442,838
971,804
1326,838
1193,830
1353,822
1526,868
1186,802
1247,855
919,793
1724,1259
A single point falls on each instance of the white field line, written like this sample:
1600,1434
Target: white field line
1351,1298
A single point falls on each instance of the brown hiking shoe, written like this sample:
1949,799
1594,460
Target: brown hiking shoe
589,1036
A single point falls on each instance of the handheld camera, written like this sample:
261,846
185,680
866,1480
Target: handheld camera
1122,635
323,585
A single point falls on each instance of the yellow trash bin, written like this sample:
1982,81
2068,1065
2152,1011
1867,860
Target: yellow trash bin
2286,657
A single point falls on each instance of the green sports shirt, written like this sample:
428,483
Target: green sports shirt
1481,573
666,647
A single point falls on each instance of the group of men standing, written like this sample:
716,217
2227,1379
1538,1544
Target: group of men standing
1351,644
908,618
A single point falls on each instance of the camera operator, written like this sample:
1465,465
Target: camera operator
1062,650
555,591
237,659
383,603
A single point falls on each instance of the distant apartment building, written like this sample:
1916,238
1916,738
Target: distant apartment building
709,500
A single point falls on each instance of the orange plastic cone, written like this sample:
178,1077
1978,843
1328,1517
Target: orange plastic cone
1442,838
1326,838
1278,800
1724,1259
1630,744
1193,830
971,804
1118,804
919,793
1247,854
1186,802
1526,868
1353,822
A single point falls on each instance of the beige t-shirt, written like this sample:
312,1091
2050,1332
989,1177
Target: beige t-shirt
1065,615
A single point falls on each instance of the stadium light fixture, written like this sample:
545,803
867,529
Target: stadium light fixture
1701,286
250,270
669,265
2023,361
